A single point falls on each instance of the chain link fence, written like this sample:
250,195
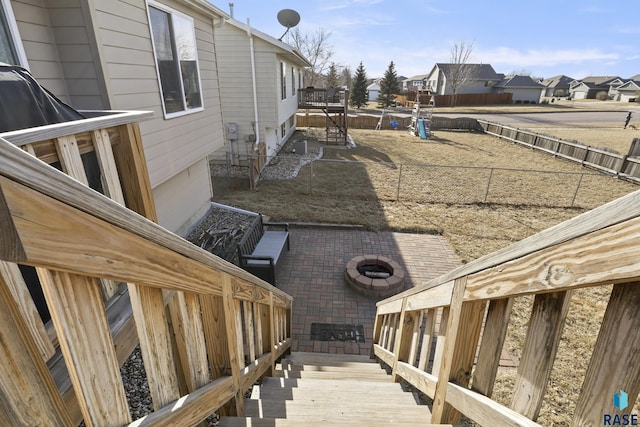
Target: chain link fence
421,183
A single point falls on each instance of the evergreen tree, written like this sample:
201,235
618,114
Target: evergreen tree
332,76
358,96
389,86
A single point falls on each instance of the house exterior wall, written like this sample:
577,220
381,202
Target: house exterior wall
236,90
519,95
172,146
98,54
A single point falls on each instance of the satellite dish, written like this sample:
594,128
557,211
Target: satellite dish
288,18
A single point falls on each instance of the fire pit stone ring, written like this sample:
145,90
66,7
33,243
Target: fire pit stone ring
374,275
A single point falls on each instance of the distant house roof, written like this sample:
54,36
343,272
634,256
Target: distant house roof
558,82
599,80
518,82
416,78
635,78
477,71
630,85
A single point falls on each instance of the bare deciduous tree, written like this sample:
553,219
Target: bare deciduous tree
460,73
316,48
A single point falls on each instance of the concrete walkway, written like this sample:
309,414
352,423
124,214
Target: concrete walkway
313,273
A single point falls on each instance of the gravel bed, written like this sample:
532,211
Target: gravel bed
285,165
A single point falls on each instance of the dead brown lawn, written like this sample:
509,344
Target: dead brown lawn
472,229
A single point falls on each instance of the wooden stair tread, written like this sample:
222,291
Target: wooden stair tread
324,396
344,410
351,384
335,375
351,366
327,358
281,422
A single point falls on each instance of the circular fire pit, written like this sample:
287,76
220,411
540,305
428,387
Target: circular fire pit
374,275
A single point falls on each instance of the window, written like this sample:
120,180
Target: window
283,81
299,79
283,130
174,47
11,51
293,82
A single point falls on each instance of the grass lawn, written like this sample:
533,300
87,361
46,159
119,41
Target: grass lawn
473,229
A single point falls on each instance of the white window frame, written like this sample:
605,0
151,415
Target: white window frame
173,12
15,34
283,81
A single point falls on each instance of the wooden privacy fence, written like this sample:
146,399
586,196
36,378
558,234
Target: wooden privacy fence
206,329
370,122
613,163
473,305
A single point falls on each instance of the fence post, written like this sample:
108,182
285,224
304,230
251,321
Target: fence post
399,183
311,179
577,188
486,194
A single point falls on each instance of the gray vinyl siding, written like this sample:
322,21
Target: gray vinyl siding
38,40
171,145
60,50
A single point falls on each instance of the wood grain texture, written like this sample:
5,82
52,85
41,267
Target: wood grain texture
31,398
41,133
615,362
483,410
191,409
19,292
77,311
493,336
427,339
604,216
234,338
605,256
188,330
215,335
539,351
155,343
421,380
56,236
463,327
23,168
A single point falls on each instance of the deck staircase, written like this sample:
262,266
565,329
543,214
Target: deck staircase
313,389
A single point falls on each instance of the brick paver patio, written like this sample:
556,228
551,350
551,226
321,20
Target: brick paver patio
313,273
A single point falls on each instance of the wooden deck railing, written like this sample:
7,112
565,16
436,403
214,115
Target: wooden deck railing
206,329
472,305
321,98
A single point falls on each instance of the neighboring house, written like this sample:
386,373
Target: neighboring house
373,90
524,89
630,91
480,78
589,87
557,86
259,81
613,93
414,83
133,55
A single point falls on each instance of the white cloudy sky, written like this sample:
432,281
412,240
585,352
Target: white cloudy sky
544,38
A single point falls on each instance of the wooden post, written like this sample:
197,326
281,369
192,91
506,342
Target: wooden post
10,274
77,311
28,394
427,338
234,338
272,329
463,331
187,324
377,333
615,362
539,351
493,336
415,338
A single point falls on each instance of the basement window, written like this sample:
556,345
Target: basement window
11,51
174,47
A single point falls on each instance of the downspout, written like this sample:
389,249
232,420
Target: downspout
253,81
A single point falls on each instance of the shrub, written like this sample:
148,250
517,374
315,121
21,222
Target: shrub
602,96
